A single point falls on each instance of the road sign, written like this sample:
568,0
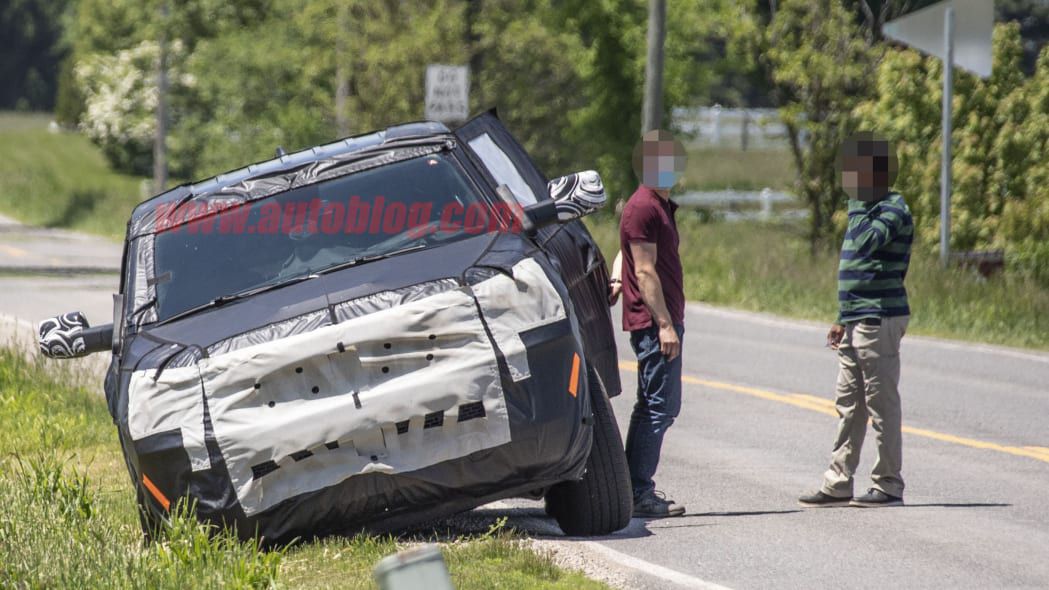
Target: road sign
447,93
973,26
964,41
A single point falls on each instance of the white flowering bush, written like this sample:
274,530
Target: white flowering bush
120,100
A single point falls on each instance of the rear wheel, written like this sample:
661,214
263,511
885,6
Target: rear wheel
601,503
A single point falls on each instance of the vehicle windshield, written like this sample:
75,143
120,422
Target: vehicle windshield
352,219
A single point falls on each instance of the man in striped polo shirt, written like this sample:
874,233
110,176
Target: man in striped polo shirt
872,320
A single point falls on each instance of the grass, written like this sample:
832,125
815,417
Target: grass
60,179
711,168
767,267
70,520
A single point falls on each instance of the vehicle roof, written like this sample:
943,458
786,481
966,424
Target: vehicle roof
389,136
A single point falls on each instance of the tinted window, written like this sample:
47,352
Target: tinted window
310,229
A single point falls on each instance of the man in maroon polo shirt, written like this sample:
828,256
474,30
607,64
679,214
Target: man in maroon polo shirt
654,314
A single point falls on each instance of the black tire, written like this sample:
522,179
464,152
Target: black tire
602,502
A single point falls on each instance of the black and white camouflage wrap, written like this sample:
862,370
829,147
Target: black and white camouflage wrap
62,337
577,194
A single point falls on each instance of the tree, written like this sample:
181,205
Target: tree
820,66
532,76
33,50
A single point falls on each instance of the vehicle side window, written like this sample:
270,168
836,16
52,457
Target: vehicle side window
502,168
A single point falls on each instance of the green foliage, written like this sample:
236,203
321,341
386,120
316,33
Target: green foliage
820,64
249,75
520,46
999,195
69,99
31,31
244,103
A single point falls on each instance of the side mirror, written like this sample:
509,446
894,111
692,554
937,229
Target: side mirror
577,195
571,197
70,336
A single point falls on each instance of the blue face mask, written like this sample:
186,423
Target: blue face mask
666,179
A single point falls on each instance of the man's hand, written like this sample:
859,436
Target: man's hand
837,332
615,280
615,287
669,344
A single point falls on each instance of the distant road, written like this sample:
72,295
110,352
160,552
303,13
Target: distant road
45,272
755,431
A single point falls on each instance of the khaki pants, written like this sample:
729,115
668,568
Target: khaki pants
868,379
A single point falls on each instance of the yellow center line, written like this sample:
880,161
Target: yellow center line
12,251
826,406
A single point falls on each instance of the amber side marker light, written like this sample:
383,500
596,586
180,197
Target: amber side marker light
160,497
573,380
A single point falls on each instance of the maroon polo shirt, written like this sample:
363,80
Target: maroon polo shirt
648,217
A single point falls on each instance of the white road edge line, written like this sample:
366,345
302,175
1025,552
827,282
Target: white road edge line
631,562
649,568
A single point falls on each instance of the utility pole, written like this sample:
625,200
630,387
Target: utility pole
652,107
945,163
473,42
160,163
342,77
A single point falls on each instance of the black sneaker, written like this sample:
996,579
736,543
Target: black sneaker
821,500
656,505
876,499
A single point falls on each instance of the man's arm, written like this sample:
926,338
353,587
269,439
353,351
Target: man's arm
644,254
873,232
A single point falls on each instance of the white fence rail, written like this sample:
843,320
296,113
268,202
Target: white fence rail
733,128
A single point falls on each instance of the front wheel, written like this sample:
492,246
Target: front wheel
601,503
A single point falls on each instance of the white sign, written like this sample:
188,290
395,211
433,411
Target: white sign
973,27
447,93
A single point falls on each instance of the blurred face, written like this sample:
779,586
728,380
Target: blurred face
868,167
659,159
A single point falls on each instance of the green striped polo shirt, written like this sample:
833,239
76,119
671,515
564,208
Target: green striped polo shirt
874,260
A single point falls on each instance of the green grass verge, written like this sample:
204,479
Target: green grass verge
711,168
767,267
60,179
69,518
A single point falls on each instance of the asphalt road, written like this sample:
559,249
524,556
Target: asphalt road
755,431
46,272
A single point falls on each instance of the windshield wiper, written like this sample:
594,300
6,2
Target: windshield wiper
309,274
368,258
222,299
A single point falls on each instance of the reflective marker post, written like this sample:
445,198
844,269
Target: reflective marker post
945,164
421,568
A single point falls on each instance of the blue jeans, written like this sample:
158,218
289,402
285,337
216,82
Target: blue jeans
658,403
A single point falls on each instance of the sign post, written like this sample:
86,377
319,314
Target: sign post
967,44
447,93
